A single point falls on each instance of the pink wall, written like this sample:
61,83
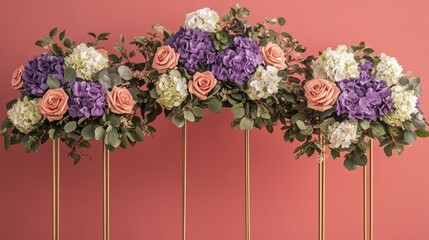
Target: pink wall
145,180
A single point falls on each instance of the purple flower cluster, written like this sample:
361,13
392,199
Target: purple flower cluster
38,70
364,97
196,49
87,99
239,61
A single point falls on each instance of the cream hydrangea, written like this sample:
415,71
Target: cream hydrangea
388,69
204,19
264,83
404,103
342,134
336,64
87,61
172,89
25,115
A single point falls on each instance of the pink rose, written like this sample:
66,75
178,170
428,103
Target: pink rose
274,56
17,82
321,94
103,52
120,100
53,104
165,58
201,84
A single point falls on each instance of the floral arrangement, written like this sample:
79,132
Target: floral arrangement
214,63
351,97
71,92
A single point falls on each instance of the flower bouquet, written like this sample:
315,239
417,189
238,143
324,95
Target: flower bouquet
71,92
354,96
214,65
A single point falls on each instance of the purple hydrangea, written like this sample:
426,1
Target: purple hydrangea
364,97
239,61
38,70
196,49
87,99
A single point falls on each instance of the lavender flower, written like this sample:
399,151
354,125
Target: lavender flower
38,70
87,99
238,62
364,97
196,49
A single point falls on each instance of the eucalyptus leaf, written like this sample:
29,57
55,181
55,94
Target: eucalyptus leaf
189,116
422,133
69,74
215,106
281,21
410,136
246,123
125,72
70,127
348,163
198,112
113,138
99,133
88,132
239,113
53,83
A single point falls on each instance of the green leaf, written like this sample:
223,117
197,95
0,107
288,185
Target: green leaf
53,83
239,113
359,159
114,120
377,129
99,133
281,21
286,35
113,138
62,35
388,150
6,140
67,43
51,133
189,116
53,32
246,123
226,17
215,106
272,33
364,124
422,133
301,125
403,81
348,163
88,132
198,112
69,74
6,124
125,72
70,127
410,136
139,134
415,81
178,121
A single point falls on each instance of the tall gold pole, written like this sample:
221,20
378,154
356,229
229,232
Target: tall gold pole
365,203
56,189
184,129
321,189
247,183
106,192
371,190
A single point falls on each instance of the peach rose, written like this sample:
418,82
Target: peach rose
165,58
17,82
103,52
120,100
201,84
274,56
321,94
53,104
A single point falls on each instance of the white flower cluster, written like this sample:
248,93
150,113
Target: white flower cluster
388,69
336,65
25,115
342,135
204,19
264,83
172,89
404,103
87,61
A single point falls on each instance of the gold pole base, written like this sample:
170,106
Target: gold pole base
106,192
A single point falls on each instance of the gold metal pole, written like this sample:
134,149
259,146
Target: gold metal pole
106,192
365,203
247,183
371,190
184,129
56,189
321,189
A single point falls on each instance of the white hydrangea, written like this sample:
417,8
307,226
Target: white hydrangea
342,135
388,69
25,115
264,83
204,19
172,89
87,61
336,64
404,103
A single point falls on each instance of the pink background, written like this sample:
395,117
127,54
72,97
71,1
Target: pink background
146,180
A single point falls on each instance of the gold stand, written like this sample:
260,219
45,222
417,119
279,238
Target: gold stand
247,183
106,189
322,158
368,222
56,189
184,129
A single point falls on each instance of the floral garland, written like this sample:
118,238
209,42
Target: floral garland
72,93
212,65
351,97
